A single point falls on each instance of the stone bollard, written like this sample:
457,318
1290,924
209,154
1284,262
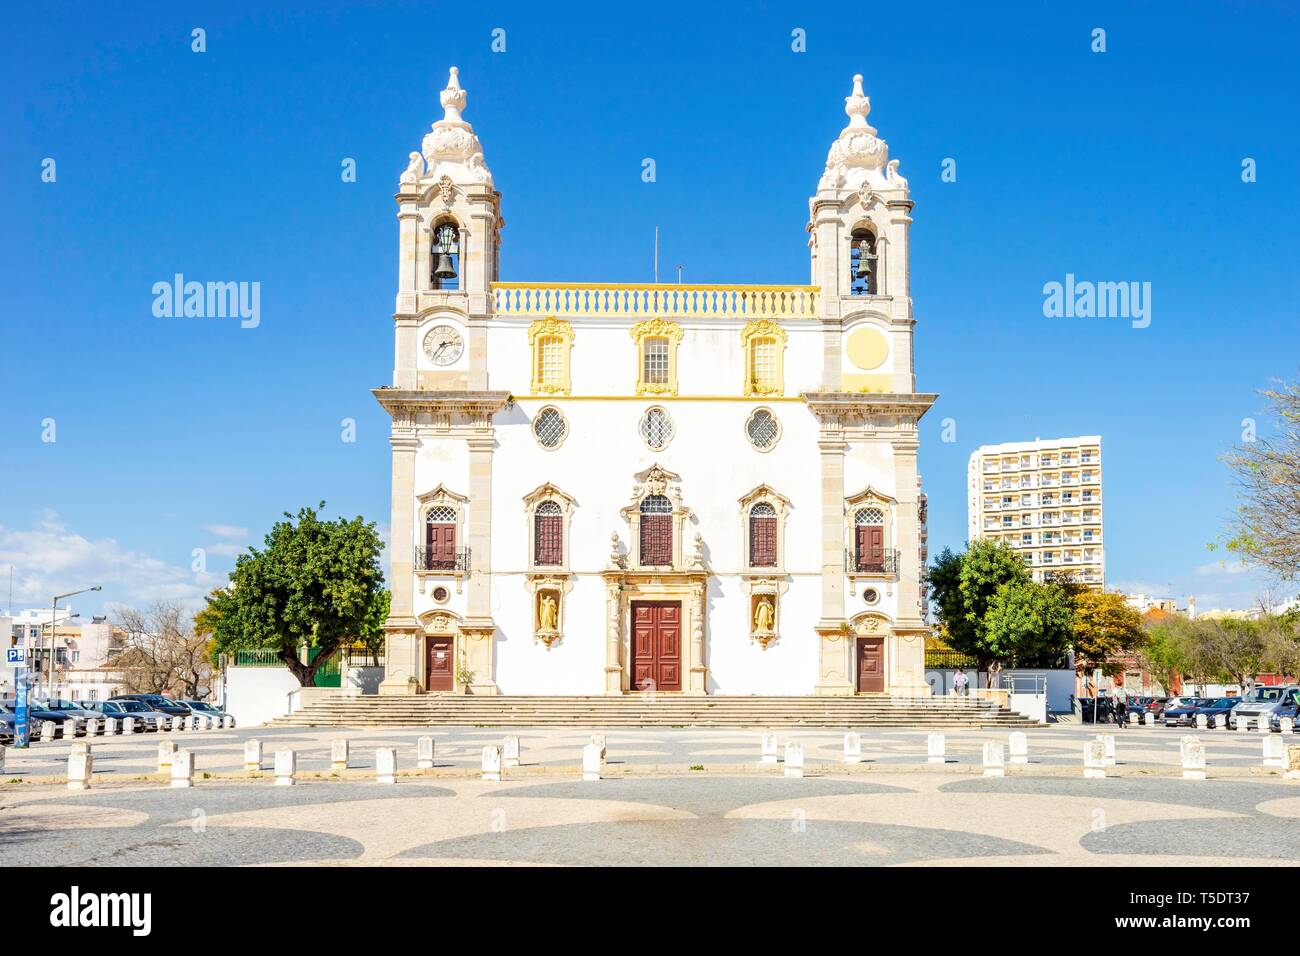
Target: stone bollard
769,748
339,753
128,725
793,759
166,751
1094,759
253,754
591,762
192,722
386,765
1148,719
934,748
424,753
177,725
1192,752
1018,747
1243,725
492,764
183,769
47,731
1273,751
994,760
286,765
1108,742
1286,725
112,726
1202,722
510,752
3,748
92,727
599,741
81,763
852,748
228,722
1262,724
1292,763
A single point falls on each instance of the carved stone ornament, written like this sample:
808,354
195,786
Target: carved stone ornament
446,189
858,152
414,169
451,148
866,194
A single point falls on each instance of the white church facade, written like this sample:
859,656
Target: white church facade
625,488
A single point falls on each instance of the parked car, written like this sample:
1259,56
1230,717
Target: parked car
7,721
69,725
1105,709
70,707
1184,713
145,716
165,705
110,714
1146,705
203,709
1263,702
1218,711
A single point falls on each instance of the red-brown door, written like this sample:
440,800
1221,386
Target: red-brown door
441,673
657,645
871,665
871,547
440,545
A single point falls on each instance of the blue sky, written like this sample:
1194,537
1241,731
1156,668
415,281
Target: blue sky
177,434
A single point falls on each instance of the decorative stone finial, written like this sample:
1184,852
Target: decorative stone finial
452,98
451,148
857,105
858,156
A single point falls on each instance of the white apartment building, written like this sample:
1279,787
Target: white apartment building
80,651
1044,499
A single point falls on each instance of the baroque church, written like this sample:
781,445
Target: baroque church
622,488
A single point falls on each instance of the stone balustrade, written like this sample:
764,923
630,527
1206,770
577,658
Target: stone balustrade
649,300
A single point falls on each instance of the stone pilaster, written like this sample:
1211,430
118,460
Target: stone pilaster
479,630
835,663
699,670
402,670
907,673
613,639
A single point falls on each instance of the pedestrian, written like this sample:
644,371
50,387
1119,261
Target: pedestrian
959,682
1121,711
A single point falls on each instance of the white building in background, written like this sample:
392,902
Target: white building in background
1043,498
80,652
604,488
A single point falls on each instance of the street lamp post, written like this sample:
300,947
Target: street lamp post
54,610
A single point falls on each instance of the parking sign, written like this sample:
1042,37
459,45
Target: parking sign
13,656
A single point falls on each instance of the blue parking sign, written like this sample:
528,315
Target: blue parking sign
21,729
13,655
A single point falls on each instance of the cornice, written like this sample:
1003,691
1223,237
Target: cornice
471,404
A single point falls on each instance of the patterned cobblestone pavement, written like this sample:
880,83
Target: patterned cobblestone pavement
654,809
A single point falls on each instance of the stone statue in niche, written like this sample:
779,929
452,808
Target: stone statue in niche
764,620
548,612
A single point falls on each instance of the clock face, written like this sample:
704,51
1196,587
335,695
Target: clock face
443,345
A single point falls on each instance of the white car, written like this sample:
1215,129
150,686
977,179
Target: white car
202,708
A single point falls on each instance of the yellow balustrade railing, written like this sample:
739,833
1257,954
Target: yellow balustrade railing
570,299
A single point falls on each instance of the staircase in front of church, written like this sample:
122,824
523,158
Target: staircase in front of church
662,711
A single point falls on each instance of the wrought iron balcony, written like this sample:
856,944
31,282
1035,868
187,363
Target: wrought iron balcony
434,559
884,562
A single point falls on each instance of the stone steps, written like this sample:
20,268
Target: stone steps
634,711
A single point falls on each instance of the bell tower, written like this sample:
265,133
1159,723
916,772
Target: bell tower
449,227
858,234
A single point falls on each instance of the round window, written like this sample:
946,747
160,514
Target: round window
762,429
549,427
441,594
871,595
656,429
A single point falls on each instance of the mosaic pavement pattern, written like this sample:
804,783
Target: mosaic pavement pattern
718,816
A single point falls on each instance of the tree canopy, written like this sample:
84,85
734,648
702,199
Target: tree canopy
1267,472
315,583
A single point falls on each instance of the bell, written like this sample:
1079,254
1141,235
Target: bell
865,258
444,269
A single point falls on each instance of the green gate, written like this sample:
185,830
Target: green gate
330,673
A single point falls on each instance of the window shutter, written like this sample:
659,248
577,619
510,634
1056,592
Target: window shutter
656,540
762,542
548,544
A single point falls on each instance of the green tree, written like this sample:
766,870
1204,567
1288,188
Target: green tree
1167,649
1105,628
315,583
963,587
1029,624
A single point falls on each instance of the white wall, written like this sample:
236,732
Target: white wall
255,695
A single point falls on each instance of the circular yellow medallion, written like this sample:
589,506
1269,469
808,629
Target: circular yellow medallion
867,348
